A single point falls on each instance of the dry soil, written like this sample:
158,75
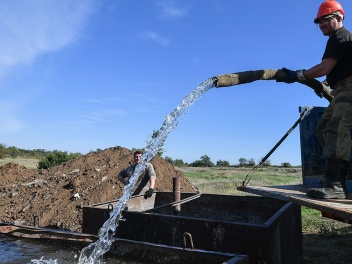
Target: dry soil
29,196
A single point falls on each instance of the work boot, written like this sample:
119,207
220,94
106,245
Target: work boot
343,170
335,188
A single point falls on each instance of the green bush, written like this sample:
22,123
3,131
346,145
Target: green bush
55,158
286,165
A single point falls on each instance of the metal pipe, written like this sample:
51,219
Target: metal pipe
177,195
186,200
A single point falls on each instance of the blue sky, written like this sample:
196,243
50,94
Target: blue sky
78,76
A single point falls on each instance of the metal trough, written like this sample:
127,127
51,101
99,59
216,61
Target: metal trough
265,229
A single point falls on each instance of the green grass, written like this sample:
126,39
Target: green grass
28,163
226,180
313,222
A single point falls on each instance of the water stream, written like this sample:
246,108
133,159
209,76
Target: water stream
93,253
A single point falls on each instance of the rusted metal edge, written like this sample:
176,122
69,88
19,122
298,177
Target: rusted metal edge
44,233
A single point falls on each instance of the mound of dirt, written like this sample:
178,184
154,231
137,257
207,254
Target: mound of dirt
55,197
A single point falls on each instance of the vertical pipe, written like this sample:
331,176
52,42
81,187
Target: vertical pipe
177,194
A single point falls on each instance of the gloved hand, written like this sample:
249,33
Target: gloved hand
148,193
291,76
318,93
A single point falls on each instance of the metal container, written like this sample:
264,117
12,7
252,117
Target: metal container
265,229
311,152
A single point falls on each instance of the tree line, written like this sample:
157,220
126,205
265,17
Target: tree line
205,161
48,159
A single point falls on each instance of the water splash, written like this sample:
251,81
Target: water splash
43,261
93,253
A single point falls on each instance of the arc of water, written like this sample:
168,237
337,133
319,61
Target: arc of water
94,251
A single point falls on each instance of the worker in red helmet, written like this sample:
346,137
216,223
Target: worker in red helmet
334,128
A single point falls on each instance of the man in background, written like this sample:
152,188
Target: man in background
147,176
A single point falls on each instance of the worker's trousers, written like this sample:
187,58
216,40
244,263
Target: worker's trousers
334,128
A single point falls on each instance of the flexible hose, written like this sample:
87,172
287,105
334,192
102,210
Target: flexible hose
237,78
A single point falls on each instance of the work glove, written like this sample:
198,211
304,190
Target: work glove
292,76
148,193
319,93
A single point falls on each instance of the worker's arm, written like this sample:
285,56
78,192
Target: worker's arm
152,182
321,69
122,179
123,176
152,178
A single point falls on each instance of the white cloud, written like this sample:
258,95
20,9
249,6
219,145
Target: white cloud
170,10
155,37
31,28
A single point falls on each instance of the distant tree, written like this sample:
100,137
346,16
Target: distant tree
286,165
3,151
13,152
266,163
176,162
206,161
251,162
242,162
96,151
180,163
135,149
153,137
37,153
222,163
203,162
169,160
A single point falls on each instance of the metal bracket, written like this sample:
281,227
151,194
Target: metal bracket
185,235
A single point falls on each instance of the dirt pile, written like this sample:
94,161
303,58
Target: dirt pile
55,197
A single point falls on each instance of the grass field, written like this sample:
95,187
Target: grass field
28,163
225,180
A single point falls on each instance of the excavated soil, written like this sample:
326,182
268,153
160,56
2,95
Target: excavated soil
55,197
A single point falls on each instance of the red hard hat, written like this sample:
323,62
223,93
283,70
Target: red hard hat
329,7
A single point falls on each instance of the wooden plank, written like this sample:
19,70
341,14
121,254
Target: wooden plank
338,209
